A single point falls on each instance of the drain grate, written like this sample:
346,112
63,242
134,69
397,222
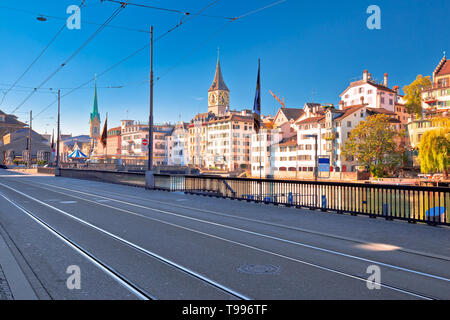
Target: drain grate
5,291
259,269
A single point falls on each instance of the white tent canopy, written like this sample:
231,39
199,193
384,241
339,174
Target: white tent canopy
76,153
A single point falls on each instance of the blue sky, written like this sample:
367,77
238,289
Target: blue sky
303,45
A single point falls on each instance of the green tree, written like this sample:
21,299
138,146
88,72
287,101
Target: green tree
375,145
434,151
413,94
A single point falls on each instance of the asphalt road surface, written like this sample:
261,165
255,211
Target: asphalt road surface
131,243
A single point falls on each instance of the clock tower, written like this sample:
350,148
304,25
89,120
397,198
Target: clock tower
218,94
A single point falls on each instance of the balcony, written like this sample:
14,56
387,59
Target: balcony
437,86
430,100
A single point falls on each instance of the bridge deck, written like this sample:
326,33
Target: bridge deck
176,246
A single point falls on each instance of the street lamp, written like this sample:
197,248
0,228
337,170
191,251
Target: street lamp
316,169
149,175
58,130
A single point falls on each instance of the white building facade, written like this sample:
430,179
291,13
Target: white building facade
375,95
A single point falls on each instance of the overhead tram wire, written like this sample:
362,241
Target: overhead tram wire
65,18
115,13
260,9
181,23
159,38
186,13
37,58
212,36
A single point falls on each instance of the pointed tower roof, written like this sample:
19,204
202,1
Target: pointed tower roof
443,67
218,83
94,112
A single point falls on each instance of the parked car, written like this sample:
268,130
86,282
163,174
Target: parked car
2,166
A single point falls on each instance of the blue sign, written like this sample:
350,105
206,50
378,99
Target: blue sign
324,164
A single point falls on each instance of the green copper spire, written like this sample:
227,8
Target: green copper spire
94,112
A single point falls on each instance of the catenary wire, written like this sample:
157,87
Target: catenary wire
115,13
159,38
37,58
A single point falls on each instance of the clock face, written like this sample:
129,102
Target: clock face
212,98
224,99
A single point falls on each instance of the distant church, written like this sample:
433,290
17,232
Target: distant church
218,94
94,122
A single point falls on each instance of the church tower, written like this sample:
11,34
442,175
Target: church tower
218,94
94,120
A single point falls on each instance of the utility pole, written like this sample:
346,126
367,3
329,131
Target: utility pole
106,146
149,177
29,139
150,121
58,129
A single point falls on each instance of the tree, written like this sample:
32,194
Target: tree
375,145
413,94
434,151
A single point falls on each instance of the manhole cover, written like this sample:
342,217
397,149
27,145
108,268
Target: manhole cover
259,269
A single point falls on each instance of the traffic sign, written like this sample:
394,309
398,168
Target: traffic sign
324,164
144,142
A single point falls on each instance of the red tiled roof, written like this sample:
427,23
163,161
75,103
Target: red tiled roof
350,110
311,120
292,113
443,68
291,141
361,82
232,117
381,110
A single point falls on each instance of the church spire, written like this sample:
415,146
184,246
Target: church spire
94,112
218,83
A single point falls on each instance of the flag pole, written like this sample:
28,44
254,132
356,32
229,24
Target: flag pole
260,165
257,123
260,131
106,141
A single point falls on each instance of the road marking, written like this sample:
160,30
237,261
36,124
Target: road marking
410,251
67,202
230,241
80,251
261,235
14,175
155,255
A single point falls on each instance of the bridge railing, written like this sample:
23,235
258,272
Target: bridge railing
411,203
126,178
